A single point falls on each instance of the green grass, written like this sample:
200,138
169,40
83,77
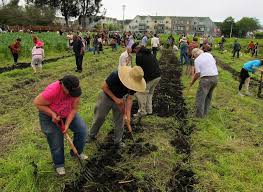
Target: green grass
27,143
55,45
227,144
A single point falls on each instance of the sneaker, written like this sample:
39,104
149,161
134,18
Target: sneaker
240,94
61,171
83,156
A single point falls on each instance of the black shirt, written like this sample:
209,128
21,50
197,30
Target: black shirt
146,60
115,85
77,46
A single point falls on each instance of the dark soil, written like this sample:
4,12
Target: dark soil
169,101
26,65
101,173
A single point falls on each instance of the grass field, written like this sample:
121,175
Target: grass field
55,45
226,146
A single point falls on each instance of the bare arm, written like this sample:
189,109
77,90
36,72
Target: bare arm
195,77
118,101
128,109
43,105
72,114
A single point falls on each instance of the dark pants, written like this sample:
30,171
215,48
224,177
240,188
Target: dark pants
155,49
243,76
236,52
15,56
183,57
79,59
96,48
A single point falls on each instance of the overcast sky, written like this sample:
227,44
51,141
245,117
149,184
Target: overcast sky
217,10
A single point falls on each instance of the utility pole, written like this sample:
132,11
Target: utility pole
231,30
123,10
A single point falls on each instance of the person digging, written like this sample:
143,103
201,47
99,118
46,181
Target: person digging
206,70
152,74
57,104
116,95
250,66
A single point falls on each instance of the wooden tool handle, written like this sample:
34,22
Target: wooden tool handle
72,146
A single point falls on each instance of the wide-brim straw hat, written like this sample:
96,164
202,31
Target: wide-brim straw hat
132,78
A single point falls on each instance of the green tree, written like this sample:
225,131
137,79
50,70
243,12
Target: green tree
228,27
68,8
90,9
247,24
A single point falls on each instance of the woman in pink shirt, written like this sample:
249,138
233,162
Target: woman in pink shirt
59,102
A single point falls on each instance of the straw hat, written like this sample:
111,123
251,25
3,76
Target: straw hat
132,78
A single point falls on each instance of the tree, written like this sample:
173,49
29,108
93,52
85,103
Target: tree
228,26
68,8
89,9
247,24
12,14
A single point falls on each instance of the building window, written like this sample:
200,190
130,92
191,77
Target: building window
147,21
167,22
136,21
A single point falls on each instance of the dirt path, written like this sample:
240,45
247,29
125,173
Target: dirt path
171,100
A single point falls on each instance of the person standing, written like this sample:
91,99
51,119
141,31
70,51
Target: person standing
59,102
183,51
87,40
222,43
116,95
38,55
125,58
152,74
144,40
236,48
190,67
155,43
206,70
15,49
256,49
95,44
251,67
78,49
251,48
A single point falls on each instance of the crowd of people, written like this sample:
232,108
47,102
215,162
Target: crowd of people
59,101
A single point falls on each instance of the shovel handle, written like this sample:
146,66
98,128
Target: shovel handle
72,146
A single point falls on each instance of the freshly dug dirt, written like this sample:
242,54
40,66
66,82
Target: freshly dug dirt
101,173
169,101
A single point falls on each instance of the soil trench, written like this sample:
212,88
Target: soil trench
101,172
169,101
26,65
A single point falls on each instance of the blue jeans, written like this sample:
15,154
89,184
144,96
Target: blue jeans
55,137
183,57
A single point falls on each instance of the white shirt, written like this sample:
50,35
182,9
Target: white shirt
205,64
155,42
125,59
38,51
